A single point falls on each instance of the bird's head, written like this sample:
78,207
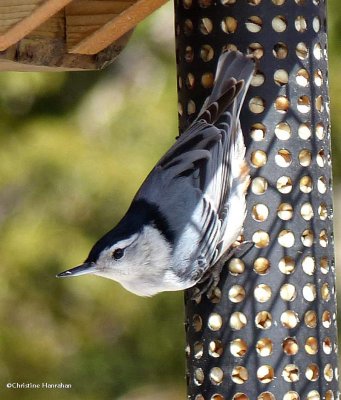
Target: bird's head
111,258
139,262
135,253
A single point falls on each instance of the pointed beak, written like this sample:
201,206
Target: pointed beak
86,268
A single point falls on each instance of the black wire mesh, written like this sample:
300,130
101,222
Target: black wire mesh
270,330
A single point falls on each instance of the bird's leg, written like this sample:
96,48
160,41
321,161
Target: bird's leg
212,276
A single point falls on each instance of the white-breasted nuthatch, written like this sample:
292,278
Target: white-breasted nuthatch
191,207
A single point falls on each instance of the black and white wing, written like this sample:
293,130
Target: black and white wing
192,182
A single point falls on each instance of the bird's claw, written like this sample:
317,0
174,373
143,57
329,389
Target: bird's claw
212,277
211,280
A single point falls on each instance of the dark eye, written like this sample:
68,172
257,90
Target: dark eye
118,253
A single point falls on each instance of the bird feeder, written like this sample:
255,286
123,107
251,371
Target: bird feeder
59,35
269,331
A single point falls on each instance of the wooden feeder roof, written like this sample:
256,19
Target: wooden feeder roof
67,34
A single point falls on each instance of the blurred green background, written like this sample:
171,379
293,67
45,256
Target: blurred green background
72,156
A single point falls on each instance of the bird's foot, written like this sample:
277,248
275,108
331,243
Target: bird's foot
210,281
212,277
241,248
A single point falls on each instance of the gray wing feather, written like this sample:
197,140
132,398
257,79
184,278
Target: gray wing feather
191,182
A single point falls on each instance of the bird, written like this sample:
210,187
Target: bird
191,207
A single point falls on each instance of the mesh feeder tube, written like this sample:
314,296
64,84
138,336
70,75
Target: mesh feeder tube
269,332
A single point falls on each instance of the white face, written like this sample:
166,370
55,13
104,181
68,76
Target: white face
140,264
118,261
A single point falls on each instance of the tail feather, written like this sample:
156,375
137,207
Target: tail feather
214,109
233,76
